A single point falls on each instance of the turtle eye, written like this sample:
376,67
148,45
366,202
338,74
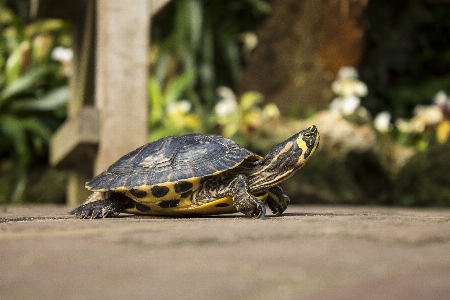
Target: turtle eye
309,139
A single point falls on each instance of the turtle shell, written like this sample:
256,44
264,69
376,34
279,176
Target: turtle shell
171,165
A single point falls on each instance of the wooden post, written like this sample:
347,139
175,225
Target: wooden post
107,112
121,77
76,140
82,91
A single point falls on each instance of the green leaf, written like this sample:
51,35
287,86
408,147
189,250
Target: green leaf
37,127
45,27
195,22
231,51
14,63
160,69
156,101
249,99
177,86
260,5
14,131
6,15
49,102
207,72
24,83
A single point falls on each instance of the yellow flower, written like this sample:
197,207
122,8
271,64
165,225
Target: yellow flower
443,131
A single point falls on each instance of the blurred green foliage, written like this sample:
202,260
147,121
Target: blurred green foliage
240,118
424,180
198,46
32,92
206,38
169,113
407,59
234,118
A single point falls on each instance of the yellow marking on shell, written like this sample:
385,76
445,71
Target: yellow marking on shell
186,207
149,198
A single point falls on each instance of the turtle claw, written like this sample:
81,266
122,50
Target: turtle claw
87,212
262,211
98,209
277,200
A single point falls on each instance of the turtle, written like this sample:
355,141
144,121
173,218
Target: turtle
198,174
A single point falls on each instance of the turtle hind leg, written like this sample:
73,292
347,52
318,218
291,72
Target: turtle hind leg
101,208
277,200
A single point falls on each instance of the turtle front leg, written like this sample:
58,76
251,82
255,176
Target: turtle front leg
277,200
97,207
236,187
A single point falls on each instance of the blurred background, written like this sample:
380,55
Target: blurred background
373,76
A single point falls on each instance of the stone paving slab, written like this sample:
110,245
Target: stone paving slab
312,252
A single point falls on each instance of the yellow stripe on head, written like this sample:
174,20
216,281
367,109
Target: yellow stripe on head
308,141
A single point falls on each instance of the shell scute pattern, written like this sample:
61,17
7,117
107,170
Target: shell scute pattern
171,160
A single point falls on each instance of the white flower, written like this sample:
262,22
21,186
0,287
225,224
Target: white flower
250,40
227,105
423,117
360,89
429,115
347,84
441,98
348,73
403,125
382,121
349,87
180,107
345,106
443,101
225,92
62,54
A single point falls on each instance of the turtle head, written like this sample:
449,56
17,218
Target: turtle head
284,159
307,141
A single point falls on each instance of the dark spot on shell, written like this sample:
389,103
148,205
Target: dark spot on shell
141,207
222,205
138,193
130,203
186,194
159,191
183,186
169,203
